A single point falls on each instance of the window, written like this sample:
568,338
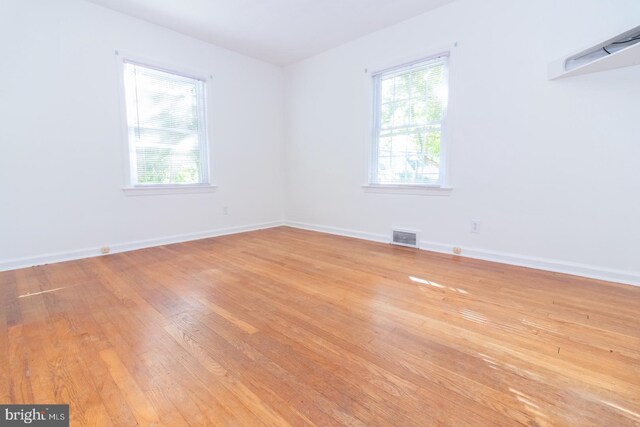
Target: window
166,126
410,103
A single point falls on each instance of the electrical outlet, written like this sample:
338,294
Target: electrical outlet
475,226
225,210
105,250
457,250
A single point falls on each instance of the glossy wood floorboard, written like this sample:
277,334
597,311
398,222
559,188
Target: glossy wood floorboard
291,327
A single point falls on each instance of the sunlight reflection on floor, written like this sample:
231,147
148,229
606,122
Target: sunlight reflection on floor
635,415
436,285
38,293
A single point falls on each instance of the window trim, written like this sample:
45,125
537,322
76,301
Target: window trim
206,175
440,188
412,189
163,189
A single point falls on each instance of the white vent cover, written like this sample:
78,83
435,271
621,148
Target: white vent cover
404,238
609,47
621,50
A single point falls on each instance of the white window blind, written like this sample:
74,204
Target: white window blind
409,113
166,127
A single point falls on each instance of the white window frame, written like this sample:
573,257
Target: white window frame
442,187
131,189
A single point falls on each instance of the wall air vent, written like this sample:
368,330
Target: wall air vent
608,48
622,50
404,238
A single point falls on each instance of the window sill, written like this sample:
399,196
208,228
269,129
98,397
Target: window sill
417,190
157,190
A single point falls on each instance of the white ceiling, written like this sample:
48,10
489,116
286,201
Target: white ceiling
277,31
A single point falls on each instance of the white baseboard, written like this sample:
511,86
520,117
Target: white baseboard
557,266
594,272
339,231
15,263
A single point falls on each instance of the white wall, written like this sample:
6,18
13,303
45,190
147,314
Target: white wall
61,162
551,169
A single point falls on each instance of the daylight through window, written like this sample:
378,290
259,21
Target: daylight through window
410,109
166,127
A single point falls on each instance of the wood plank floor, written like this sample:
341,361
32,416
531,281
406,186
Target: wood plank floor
291,327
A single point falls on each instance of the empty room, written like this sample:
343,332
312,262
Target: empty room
336,212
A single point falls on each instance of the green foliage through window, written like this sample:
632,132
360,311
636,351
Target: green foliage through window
410,109
164,117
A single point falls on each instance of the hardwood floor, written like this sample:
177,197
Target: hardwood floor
285,326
